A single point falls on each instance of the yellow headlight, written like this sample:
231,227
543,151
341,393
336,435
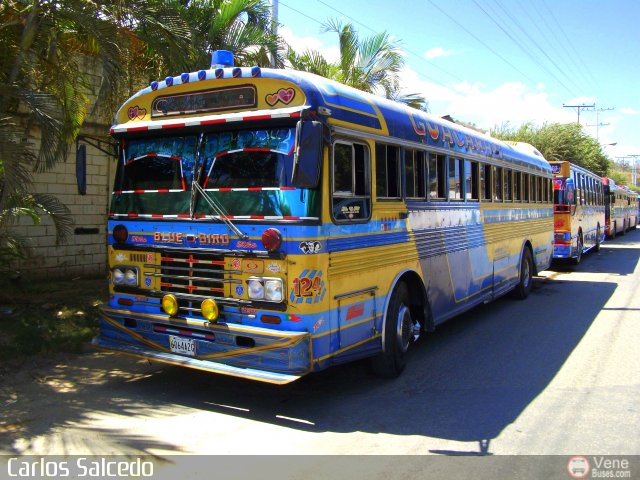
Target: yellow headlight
210,309
170,304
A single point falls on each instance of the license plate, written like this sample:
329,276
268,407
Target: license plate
183,346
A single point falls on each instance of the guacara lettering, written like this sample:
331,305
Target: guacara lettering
450,137
201,238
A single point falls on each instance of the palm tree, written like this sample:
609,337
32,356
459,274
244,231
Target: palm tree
241,26
44,87
371,64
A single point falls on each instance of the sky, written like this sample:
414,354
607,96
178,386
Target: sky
499,63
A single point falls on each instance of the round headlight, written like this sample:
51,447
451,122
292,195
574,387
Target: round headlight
210,309
255,290
117,276
170,304
131,277
273,290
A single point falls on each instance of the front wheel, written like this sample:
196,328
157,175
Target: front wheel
400,330
525,282
576,260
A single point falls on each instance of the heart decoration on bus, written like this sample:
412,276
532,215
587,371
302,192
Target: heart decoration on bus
284,95
136,112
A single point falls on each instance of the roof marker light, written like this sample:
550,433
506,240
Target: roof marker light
256,72
219,73
169,81
184,77
236,72
154,85
202,75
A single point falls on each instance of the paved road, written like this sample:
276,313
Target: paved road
558,373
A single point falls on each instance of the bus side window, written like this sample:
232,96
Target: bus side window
351,197
455,185
485,182
526,187
497,184
517,186
437,177
414,173
387,171
471,179
508,185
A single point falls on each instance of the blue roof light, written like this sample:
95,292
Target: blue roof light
221,59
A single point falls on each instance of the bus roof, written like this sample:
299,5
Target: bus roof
342,107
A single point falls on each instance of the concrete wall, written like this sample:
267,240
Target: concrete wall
84,254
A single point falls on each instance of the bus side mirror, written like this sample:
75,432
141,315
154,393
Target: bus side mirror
307,156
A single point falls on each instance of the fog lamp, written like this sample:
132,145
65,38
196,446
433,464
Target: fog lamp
210,309
170,304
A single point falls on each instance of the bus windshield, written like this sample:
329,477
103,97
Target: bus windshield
247,172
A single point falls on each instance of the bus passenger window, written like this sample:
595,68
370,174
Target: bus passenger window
351,198
414,174
485,182
539,191
387,171
454,179
508,185
517,186
497,184
437,176
471,179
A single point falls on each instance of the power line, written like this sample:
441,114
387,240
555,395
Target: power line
560,53
535,43
421,74
561,30
418,56
482,42
522,47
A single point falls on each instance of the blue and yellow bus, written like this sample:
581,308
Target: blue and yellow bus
579,211
269,223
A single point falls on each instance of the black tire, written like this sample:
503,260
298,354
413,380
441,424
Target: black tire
597,247
398,335
525,281
576,260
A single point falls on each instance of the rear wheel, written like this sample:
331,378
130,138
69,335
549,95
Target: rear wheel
525,282
400,330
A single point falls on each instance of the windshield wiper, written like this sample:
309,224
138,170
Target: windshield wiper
219,210
212,202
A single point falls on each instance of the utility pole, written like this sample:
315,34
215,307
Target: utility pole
598,124
583,106
274,28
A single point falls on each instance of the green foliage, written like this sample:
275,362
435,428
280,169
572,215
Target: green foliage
369,64
560,142
45,81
